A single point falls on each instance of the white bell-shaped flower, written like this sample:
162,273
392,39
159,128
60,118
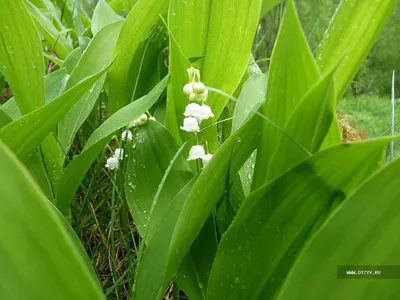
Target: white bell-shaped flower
188,88
126,135
196,152
119,153
205,112
152,119
192,110
190,124
206,158
112,163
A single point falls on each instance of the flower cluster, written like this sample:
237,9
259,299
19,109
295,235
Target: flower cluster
196,111
113,161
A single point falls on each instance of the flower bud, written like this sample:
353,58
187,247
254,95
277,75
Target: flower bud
188,89
194,97
196,152
143,118
112,163
152,118
190,124
199,87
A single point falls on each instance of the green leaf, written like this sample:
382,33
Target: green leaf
230,39
72,59
34,164
202,199
54,86
308,125
152,150
89,63
285,211
293,71
267,5
186,20
362,231
138,23
57,41
145,61
26,133
51,153
251,96
39,255
21,59
78,167
229,42
155,256
5,119
350,36
103,15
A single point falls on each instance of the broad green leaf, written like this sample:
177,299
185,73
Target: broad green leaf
116,5
229,42
308,125
145,61
77,15
202,199
251,96
230,39
153,148
193,272
5,119
267,5
334,135
72,59
39,256
292,73
103,15
285,212
155,256
54,86
35,165
350,36
57,41
21,59
362,231
78,167
188,21
154,152
26,133
128,5
138,23
89,63
51,154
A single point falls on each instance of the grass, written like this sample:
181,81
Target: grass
371,115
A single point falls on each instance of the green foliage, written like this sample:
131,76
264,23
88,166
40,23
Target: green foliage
39,250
